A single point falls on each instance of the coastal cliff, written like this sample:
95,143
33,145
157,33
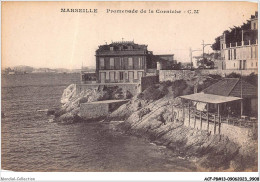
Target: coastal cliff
71,100
209,152
152,115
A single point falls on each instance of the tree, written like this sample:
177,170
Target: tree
206,63
216,45
235,35
177,66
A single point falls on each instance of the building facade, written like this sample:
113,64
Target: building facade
241,55
125,62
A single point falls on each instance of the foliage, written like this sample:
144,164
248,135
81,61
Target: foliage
216,77
233,75
177,66
180,87
216,45
252,78
154,92
206,62
235,35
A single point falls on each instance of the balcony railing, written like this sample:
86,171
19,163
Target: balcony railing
124,52
243,43
247,122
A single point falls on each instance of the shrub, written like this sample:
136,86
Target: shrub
178,87
233,75
216,77
128,95
154,92
252,78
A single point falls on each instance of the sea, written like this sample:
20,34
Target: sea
31,141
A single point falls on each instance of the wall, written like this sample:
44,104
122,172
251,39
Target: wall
227,72
173,75
99,109
148,81
235,133
133,88
88,110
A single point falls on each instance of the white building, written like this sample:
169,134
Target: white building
240,55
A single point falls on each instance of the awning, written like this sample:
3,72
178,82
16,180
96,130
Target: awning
209,98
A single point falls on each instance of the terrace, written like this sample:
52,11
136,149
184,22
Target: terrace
211,109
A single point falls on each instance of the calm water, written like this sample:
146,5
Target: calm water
31,143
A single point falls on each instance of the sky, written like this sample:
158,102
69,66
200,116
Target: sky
38,34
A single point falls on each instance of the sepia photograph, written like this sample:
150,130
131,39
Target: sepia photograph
123,86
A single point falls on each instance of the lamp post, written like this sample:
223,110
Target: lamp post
203,46
191,51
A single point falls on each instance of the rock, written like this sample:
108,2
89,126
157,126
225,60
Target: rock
69,118
2,115
68,93
50,112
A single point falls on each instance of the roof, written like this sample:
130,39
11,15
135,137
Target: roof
122,45
209,98
232,87
223,87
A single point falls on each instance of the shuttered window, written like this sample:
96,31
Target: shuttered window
112,63
101,63
130,63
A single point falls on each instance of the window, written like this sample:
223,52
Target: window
256,64
228,54
121,75
111,48
130,63
235,54
112,76
121,63
254,26
252,64
101,63
111,63
140,63
140,75
234,65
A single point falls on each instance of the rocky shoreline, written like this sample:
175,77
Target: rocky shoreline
150,117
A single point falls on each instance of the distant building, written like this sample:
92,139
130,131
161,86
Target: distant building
164,61
127,62
241,55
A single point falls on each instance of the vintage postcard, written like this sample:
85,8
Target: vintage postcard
129,87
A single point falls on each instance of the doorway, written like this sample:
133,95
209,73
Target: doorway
131,76
103,77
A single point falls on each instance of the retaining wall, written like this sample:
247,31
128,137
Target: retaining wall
173,75
99,109
238,134
133,88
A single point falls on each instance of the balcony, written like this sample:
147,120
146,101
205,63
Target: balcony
243,43
124,52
